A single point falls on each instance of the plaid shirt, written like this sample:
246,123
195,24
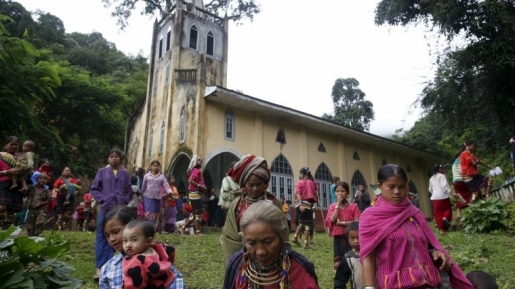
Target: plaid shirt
111,276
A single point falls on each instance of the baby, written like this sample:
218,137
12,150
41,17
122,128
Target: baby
24,162
146,264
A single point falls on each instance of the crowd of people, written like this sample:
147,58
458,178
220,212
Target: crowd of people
381,242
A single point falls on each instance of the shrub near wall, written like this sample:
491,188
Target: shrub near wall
485,216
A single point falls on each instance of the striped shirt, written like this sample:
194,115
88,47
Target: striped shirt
403,259
456,171
111,276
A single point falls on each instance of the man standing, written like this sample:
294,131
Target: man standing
362,198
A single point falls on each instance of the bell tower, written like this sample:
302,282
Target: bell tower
189,52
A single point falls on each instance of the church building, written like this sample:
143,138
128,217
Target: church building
190,111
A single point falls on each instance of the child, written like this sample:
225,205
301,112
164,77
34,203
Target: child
352,257
288,215
482,280
171,206
36,200
24,162
79,216
339,216
135,189
88,212
143,264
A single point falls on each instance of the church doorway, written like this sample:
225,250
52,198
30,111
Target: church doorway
216,168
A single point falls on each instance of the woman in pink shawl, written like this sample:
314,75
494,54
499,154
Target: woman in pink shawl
398,248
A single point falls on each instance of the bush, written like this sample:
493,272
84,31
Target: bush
25,263
510,221
485,216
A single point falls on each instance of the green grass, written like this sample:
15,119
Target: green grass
200,259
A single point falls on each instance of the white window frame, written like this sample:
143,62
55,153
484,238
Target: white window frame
193,27
210,34
229,124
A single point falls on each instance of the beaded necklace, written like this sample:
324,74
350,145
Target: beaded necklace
254,276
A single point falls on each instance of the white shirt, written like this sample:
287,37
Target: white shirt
439,187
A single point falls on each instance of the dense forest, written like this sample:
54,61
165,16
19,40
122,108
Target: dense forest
69,92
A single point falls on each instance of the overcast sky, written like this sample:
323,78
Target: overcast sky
293,51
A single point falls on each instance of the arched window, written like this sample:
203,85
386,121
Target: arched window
281,179
162,137
193,37
356,156
150,142
357,179
281,137
182,125
321,148
160,47
385,162
229,124
408,169
168,38
323,178
210,47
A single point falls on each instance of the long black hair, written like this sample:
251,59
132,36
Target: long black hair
306,172
390,170
464,146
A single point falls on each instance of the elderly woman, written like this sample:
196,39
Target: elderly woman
11,200
252,175
267,260
398,248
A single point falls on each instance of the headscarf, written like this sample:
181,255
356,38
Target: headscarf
247,166
194,161
377,223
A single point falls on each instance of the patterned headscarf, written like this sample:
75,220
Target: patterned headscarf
247,166
194,161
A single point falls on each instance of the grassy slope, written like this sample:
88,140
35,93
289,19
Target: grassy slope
199,259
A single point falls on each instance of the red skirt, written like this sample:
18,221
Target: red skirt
442,209
462,189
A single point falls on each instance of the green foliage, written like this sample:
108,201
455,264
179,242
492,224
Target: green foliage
70,93
350,107
24,263
472,91
510,221
485,216
26,79
236,10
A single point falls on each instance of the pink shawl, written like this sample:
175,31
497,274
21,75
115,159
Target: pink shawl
376,223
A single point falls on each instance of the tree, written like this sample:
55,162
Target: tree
236,10
26,80
73,97
350,107
473,87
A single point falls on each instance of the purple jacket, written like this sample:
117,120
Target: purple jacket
110,191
